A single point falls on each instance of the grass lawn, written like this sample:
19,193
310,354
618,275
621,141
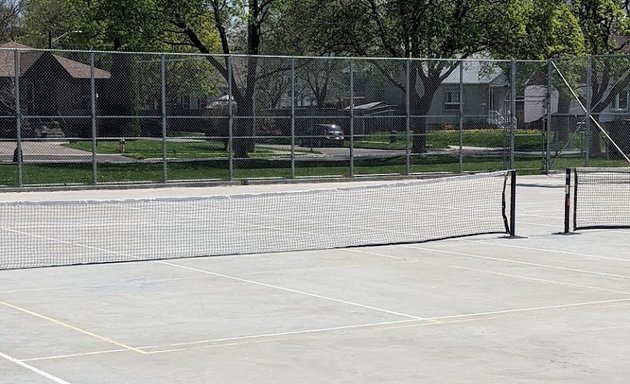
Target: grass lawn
206,160
142,149
524,140
81,173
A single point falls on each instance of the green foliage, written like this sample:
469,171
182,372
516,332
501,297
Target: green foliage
10,19
152,149
525,139
540,29
52,19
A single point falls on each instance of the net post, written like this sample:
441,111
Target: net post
230,120
513,203
351,118
293,117
567,202
164,119
18,119
575,191
93,119
513,116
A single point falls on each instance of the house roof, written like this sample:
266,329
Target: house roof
29,58
375,105
476,72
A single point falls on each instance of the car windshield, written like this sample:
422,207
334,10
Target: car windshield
334,130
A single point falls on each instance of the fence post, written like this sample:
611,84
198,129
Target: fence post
230,120
293,117
549,132
18,118
164,120
461,116
408,120
513,122
351,118
93,119
589,97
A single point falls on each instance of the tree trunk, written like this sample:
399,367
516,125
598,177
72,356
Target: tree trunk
118,99
243,128
420,107
561,126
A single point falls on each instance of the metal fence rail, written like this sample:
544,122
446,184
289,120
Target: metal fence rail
78,117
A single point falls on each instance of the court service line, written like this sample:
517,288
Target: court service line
269,335
335,267
74,355
292,290
103,284
518,262
541,280
72,327
38,371
549,251
400,258
531,309
438,320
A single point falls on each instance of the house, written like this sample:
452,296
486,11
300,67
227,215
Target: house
485,96
54,90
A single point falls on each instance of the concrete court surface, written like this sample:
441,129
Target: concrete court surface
544,308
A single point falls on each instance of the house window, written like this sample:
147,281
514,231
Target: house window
452,100
194,103
622,100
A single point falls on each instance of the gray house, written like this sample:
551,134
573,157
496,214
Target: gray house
485,96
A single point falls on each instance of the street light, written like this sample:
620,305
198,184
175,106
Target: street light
51,40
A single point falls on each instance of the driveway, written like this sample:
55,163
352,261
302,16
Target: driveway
48,151
339,152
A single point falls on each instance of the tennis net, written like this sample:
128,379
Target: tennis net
53,233
601,198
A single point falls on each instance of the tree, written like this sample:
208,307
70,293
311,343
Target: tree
606,26
9,19
47,20
437,29
195,24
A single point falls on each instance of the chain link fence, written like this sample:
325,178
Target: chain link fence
86,118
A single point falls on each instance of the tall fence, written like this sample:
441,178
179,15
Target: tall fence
83,118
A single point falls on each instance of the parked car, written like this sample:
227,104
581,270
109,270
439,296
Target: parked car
321,135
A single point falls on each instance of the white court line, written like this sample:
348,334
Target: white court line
532,309
75,355
334,267
292,290
540,280
47,375
104,284
357,250
517,262
270,335
435,321
550,251
70,326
